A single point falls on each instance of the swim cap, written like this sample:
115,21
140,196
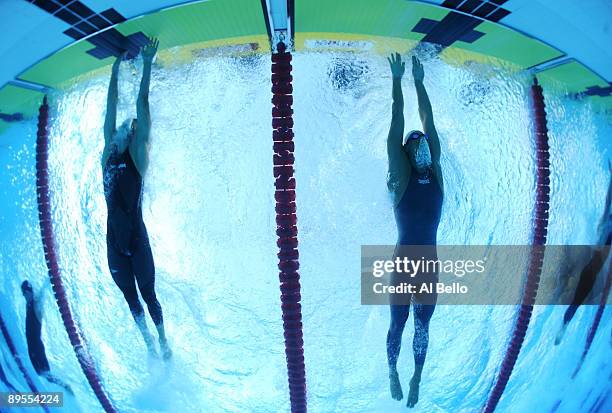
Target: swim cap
26,286
414,134
422,157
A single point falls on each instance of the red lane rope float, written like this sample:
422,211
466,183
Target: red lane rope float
15,354
596,321
286,226
536,256
46,231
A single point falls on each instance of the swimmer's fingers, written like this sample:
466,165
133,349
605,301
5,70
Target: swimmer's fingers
150,49
154,43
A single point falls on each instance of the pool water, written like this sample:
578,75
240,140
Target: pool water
209,209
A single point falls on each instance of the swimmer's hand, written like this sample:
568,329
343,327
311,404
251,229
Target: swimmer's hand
150,49
417,70
397,66
120,58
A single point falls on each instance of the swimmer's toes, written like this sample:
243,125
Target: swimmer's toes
396,386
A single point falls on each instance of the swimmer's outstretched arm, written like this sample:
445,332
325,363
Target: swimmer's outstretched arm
399,165
426,115
425,110
110,122
142,105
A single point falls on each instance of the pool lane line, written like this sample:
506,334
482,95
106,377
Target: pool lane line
5,380
15,354
51,259
286,226
536,256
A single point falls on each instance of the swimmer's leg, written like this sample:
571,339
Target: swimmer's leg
52,379
422,316
121,270
399,315
585,285
144,268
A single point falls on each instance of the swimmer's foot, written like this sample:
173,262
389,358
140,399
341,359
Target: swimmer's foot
69,390
395,385
413,394
560,334
150,346
165,349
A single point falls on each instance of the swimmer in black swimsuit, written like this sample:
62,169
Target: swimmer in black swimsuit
124,164
597,258
33,327
415,181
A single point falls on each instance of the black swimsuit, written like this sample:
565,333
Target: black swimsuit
418,213
36,348
129,252
123,192
417,216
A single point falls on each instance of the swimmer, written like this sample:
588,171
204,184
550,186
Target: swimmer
415,181
33,327
125,160
597,257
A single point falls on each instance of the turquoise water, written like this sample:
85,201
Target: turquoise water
209,209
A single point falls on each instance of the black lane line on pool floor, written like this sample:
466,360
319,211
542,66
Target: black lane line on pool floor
85,22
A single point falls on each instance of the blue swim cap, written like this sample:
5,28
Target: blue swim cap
413,135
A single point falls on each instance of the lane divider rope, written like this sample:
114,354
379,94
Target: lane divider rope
536,256
286,225
51,258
